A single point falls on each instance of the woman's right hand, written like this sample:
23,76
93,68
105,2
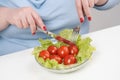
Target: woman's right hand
25,17
83,7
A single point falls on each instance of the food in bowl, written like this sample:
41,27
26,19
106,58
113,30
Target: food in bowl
56,55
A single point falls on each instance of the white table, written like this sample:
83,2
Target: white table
104,65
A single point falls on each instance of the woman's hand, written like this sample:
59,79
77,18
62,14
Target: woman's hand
83,7
25,17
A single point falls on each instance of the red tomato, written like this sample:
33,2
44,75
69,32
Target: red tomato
57,58
69,59
52,49
63,51
44,54
73,50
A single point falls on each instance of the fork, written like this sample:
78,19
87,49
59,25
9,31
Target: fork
75,33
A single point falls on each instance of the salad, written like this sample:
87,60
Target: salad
58,55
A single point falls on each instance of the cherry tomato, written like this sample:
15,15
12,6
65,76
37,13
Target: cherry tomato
69,59
63,51
57,58
73,50
44,54
52,49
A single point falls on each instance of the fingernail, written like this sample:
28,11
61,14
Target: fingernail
81,20
33,33
89,18
44,27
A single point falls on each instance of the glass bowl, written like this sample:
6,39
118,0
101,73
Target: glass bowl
66,68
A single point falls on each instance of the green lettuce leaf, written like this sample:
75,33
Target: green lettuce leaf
66,33
85,49
83,44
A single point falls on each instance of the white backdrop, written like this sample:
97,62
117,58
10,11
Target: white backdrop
105,19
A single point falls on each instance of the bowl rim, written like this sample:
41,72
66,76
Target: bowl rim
67,67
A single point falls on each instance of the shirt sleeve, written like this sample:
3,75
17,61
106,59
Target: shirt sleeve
108,5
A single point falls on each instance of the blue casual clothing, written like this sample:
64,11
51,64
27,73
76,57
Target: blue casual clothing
56,14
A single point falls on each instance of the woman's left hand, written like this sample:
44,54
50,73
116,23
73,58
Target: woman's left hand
83,8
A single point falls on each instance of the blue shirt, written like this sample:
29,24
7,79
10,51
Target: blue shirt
56,14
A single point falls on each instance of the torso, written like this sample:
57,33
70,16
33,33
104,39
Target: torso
56,14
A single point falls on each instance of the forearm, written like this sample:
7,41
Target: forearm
101,2
3,23
107,5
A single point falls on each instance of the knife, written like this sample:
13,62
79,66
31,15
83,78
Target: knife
57,37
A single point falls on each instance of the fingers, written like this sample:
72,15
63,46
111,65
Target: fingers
32,24
83,8
39,21
34,20
24,22
18,23
79,10
86,9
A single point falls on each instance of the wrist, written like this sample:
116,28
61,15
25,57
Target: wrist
4,13
101,3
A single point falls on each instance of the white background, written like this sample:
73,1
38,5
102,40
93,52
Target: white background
105,19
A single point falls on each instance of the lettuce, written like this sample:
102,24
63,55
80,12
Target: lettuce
45,43
48,63
83,44
85,49
66,33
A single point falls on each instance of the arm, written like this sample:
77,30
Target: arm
101,2
109,4
3,22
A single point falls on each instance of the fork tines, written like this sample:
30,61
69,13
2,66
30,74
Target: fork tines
75,33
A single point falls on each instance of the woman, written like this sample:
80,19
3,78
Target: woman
18,19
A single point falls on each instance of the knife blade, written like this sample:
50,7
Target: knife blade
57,37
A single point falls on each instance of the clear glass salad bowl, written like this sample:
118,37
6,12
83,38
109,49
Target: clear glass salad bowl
66,68
83,56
